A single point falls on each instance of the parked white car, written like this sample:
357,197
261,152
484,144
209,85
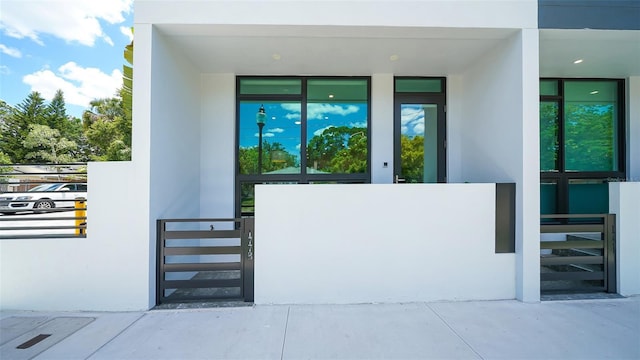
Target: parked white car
43,197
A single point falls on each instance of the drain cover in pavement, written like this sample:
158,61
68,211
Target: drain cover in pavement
26,337
12,327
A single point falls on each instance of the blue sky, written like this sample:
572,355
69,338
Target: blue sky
284,120
73,45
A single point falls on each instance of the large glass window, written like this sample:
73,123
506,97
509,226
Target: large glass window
279,130
590,119
300,130
337,123
581,143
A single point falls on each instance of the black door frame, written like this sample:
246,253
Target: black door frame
421,98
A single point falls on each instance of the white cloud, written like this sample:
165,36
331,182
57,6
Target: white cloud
4,70
70,20
126,31
320,111
275,130
108,40
412,117
418,128
359,124
80,85
320,131
265,135
293,107
13,52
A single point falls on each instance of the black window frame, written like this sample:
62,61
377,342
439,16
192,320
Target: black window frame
437,97
561,176
303,177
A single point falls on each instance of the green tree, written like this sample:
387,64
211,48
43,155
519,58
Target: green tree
70,127
248,160
589,137
108,130
4,159
125,123
46,144
100,134
56,116
412,160
274,157
6,111
127,79
338,149
548,136
32,110
353,158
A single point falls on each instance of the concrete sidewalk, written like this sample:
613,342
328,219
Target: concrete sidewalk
583,329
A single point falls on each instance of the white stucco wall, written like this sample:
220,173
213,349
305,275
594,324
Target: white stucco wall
114,267
106,271
382,128
378,243
174,140
624,201
455,91
217,145
433,13
175,134
498,134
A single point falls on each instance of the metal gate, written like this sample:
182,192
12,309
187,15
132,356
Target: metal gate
205,260
577,253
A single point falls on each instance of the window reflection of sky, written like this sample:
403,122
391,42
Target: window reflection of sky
412,119
284,121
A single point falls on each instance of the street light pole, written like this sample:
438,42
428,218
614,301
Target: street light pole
261,117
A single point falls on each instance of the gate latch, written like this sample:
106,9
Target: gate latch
250,246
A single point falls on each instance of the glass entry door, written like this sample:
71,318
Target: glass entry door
419,139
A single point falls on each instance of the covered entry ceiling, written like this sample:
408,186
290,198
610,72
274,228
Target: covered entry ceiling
604,53
353,50
318,50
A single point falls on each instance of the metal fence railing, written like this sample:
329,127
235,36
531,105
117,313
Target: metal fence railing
205,260
578,254
43,201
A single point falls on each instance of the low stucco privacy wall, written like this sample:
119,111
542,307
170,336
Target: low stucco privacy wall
357,243
108,271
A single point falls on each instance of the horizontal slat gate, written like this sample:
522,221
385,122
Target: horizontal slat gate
204,265
581,256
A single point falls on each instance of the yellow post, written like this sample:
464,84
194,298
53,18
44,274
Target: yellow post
81,216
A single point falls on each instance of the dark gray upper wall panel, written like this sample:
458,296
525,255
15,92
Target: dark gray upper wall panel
589,14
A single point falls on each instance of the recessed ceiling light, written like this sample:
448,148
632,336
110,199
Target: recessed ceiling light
330,96
273,118
276,56
394,57
578,61
594,92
